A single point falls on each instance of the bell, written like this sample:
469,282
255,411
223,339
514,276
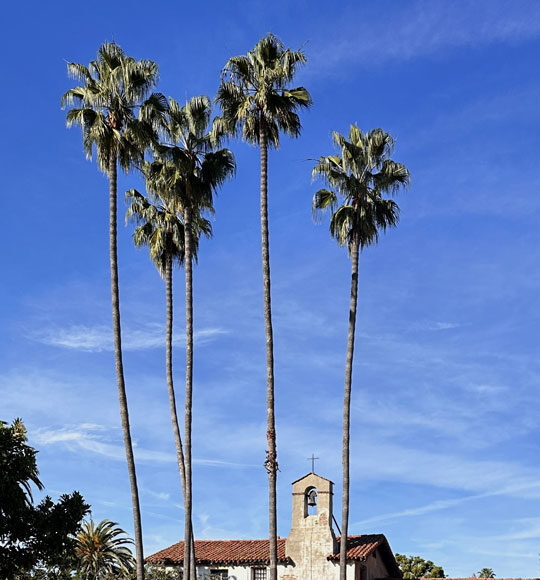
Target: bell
312,498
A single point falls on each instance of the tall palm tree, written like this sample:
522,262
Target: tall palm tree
190,169
162,230
257,103
360,175
102,551
117,117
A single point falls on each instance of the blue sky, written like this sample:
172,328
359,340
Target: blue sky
445,405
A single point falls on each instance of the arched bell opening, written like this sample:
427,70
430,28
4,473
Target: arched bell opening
310,502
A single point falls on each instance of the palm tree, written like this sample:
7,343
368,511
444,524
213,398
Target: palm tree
256,101
162,230
189,171
360,176
102,551
115,87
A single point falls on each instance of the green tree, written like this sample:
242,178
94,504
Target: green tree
256,101
34,539
486,573
102,551
414,567
161,573
186,173
117,117
359,176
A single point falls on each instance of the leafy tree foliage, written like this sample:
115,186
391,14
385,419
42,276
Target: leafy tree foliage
38,538
160,573
414,567
486,573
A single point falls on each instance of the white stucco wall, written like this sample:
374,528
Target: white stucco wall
375,569
284,572
237,572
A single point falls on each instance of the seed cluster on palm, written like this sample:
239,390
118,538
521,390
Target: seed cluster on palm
103,551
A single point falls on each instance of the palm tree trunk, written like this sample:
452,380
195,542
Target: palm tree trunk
124,414
347,412
172,397
271,454
188,264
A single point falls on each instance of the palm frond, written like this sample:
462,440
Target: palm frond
322,201
114,85
254,96
360,176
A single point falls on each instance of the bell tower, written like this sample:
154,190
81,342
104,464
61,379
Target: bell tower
311,538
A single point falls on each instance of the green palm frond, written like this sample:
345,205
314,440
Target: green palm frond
360,176
113,87
184,175
102,551
254,93
323,200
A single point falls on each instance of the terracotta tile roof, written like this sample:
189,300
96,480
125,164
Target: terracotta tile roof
238,552
222,552
360,547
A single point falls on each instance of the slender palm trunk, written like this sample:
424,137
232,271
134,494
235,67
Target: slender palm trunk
124,414
271,454
172,397
347,412
188,265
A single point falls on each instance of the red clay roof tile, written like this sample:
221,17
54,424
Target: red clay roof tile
256,551
222,552
359,547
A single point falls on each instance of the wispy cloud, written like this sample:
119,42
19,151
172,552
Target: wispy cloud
444,325
161,495
531,532
428,27
84,438
100,338
93,438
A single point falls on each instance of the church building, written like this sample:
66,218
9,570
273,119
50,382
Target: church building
310,551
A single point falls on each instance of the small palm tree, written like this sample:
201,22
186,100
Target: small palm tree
359,176
256,101
118,119
185,175
102,551
486,573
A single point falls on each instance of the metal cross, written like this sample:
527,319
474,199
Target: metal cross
312,459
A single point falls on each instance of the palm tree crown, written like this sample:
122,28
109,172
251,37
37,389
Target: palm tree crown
360,176
186,167
114,109
102,551
253,93
161,228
